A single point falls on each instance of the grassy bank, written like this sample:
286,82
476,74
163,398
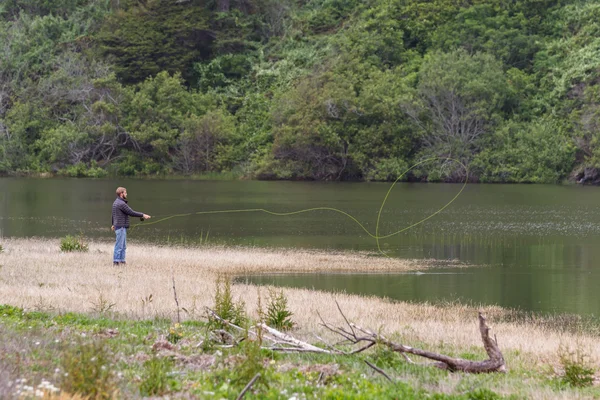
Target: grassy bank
78,303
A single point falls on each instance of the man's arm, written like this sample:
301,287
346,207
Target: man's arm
129,211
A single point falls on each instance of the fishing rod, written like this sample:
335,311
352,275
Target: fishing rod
376,236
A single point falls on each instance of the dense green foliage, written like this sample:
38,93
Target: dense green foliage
317,89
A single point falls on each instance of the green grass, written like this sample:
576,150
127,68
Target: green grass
105,355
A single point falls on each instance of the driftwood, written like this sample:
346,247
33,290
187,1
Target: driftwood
278,341
364,339
357,335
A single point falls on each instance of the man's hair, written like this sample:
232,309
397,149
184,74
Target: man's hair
120,190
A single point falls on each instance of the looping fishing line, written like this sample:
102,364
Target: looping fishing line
375,236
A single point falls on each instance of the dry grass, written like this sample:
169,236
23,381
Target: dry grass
36,276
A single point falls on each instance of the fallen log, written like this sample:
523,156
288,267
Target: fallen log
364,339
356,335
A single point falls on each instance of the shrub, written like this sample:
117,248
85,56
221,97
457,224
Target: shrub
156,380
86,371
251,364
102,305
1,249
577,366
278,314
225,307
72,243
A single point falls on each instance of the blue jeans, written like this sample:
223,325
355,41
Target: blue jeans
120,245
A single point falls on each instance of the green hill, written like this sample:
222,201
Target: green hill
309,89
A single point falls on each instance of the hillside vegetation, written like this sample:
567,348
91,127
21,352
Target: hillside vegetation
306,89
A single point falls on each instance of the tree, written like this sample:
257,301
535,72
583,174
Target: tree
166,36
156,111
203,144
312,127
459,100
505,31
540,151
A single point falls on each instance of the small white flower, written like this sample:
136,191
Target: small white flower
37,343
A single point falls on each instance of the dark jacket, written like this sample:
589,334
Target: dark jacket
121,212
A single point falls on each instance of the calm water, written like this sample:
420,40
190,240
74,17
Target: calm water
533,247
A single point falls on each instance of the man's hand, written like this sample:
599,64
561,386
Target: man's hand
112,228
146,216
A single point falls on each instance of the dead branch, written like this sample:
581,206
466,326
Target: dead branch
216,316
377,369
289,343
175,294
280,341
248,386
357,335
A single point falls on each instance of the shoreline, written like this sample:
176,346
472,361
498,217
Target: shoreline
35,275
235,177
37,278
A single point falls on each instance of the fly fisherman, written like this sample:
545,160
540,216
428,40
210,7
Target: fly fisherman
120,222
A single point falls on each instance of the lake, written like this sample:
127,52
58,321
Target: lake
531,247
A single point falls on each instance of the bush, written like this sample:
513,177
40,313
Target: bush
278,315
156,380
1,249
86,371
577,367
225,307
72,243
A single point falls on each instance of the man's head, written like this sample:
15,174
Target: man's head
122,193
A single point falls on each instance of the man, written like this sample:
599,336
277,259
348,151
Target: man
120,222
